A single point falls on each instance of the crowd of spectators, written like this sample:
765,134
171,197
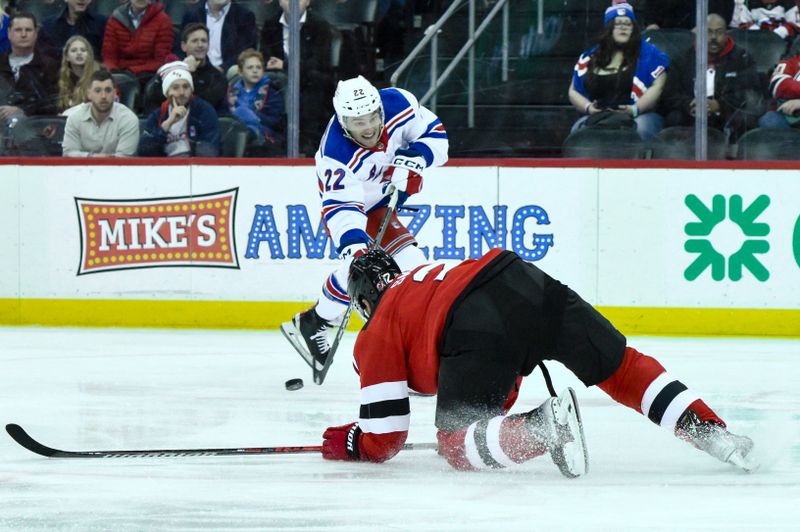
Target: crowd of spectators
235,63
227,63
626,82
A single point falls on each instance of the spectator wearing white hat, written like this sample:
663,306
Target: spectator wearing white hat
184,125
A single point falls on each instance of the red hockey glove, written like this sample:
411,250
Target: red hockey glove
341,443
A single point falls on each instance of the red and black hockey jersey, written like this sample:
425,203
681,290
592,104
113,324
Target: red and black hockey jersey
399,349
785,81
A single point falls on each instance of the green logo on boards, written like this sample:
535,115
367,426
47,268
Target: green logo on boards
727,220
796,242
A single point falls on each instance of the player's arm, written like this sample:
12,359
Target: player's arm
384,415
782,84
342,204
425,134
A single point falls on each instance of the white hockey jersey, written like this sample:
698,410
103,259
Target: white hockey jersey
351,177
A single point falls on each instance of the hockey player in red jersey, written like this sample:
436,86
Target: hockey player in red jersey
784,85
469,332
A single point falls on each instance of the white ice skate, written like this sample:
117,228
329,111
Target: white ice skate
557,423
717,441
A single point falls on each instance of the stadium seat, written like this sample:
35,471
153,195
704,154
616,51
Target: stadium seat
592,143
677,143
39,136
128,87
765,47
232,136
673,42
769,145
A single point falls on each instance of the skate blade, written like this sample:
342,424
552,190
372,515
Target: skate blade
576,453
745,462
294,337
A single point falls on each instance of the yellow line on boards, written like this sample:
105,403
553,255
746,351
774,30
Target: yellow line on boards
270,314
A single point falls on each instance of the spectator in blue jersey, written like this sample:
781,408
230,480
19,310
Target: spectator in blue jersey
184,125
376,138
255,101
620,80
5,44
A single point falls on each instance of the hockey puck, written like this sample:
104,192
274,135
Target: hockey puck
294,384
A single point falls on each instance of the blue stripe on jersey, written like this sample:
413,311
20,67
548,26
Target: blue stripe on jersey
424,149
336,210
394,103
402,122
361,161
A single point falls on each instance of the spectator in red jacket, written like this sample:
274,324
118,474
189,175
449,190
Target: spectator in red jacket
785,89
138,38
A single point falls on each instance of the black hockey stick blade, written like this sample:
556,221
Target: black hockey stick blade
25,440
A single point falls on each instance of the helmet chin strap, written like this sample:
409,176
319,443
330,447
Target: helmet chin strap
349,136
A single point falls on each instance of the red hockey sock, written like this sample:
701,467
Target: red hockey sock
494,443
643,384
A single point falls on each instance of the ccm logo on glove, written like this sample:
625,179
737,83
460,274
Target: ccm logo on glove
412,163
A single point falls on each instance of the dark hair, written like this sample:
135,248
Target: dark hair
22,14
191,28
102,75
605,52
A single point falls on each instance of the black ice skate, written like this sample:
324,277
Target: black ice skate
716,440
557,423
308,334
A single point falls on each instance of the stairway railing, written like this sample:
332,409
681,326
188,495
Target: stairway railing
431,37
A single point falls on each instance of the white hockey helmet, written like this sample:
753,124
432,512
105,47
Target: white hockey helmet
356,97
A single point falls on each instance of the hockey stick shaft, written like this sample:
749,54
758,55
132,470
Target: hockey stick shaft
25,440
394,195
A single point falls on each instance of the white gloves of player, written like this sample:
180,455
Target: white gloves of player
352,251
408,165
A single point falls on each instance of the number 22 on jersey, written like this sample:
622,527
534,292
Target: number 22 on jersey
333,179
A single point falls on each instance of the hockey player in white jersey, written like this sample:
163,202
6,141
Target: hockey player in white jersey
376,138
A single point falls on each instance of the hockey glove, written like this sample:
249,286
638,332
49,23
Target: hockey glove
405,172
341,443
352,251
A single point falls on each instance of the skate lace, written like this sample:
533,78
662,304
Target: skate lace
321,339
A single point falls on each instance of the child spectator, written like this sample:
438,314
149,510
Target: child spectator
254,100
77,67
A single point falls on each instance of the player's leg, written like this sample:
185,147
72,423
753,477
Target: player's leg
479,369
592,348
308,330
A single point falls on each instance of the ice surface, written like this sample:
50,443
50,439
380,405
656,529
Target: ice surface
85,389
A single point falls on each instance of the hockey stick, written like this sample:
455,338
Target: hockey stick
24,439
319,375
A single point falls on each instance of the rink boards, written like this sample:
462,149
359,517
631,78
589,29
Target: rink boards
698,249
